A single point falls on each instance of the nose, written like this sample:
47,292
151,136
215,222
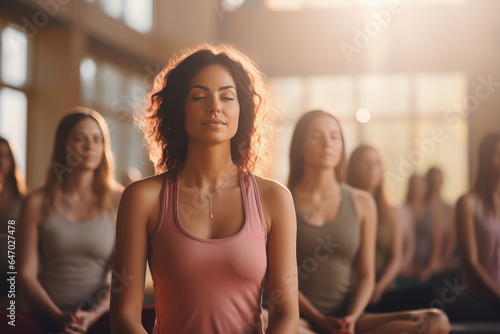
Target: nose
327,143
87,144
214,106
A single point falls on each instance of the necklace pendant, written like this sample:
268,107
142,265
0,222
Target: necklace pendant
201,197
211,216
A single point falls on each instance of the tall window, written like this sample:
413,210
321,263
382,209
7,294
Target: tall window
116,91
13,84
401,114
283,5
137,14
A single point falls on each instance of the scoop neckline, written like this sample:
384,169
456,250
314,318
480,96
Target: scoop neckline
70,221
192,236
332,221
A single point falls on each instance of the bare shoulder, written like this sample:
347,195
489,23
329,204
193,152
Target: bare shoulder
271,190
275,198
146,190
364,203
361,197
467,202
32,206
396,212
34,200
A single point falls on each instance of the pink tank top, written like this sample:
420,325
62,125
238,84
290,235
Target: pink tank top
208,285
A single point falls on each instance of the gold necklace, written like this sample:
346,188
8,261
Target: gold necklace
210,196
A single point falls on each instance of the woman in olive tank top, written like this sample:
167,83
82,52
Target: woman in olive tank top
336,231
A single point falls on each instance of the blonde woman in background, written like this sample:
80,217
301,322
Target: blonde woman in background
67,231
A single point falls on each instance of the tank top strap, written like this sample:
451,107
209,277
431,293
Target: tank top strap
347,206
251,199
167,187
479,209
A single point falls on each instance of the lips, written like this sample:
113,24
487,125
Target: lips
214,122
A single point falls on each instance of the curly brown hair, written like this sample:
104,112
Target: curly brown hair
163,119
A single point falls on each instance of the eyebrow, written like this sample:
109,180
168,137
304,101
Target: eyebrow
320,131
206,88
92,134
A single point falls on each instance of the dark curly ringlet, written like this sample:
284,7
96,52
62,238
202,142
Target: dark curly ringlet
163,124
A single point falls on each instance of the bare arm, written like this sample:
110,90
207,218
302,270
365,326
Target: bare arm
282,283
396,254
409,243
365,270
129,269
452,235
433,265
466,233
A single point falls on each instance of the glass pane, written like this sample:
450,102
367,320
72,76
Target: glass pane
441,2
285,4
330,93
287,94
394,152
385,94
13,122
445,146
14,57
318,4
137,92
110,82
135,150
88,69
351,137
437,92
279,168
113,8
116,136
138,14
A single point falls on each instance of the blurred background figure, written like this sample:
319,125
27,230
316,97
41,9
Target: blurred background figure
67,230
448,259
12,190
336,238
422,234
365,171
478,232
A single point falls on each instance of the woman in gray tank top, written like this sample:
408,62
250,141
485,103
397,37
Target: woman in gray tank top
67,230
336,231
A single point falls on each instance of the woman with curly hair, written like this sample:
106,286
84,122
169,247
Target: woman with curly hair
209,228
